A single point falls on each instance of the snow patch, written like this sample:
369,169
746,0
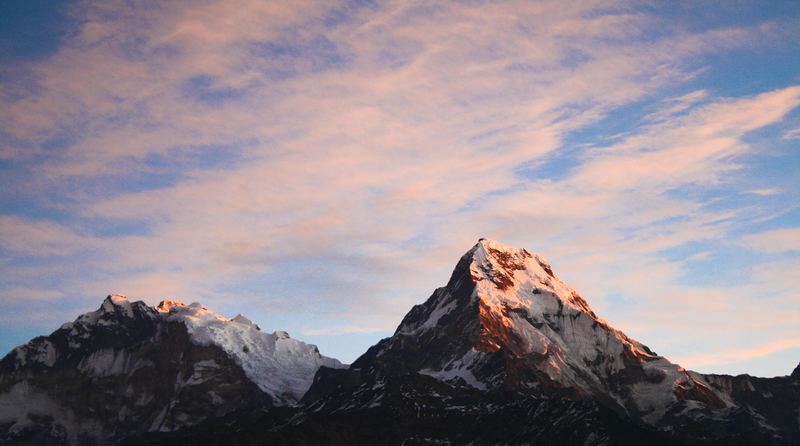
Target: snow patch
459,369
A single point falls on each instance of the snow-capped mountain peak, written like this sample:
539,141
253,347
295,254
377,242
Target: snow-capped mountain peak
505,302
513,283
115,311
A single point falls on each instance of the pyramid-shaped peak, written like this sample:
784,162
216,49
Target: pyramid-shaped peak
497,263
493,246
507,301
504,254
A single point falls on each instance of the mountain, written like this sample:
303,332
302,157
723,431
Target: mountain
129,368
505,353
508,353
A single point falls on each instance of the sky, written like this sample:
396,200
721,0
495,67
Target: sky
320,166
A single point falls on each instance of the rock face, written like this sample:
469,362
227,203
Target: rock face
128,368
507,353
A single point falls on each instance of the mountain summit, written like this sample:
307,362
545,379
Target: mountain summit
506,320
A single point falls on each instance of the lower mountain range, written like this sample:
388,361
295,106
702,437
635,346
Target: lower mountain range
505,353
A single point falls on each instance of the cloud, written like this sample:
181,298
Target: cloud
774,241
38,238
341,156
742,354
765,192
343,329
792,134
686,150
22,294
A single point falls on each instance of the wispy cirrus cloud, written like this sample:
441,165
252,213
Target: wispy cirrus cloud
792,134
766,192
774,241
342,155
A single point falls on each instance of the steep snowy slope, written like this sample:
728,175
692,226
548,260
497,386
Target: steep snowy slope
281,366
128,368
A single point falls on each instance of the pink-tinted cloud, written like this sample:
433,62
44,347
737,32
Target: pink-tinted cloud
741,354
774,241
374,153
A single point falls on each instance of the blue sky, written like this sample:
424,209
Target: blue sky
321,166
